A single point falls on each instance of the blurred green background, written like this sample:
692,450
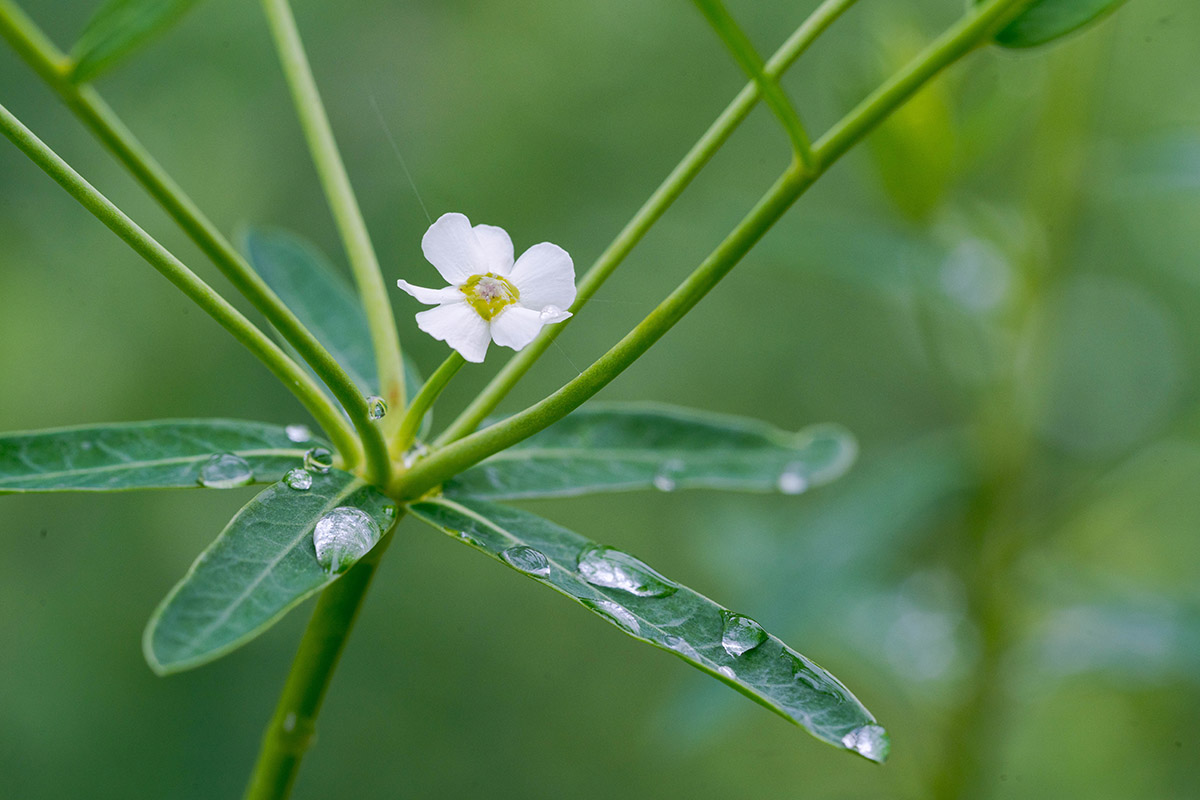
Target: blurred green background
999,294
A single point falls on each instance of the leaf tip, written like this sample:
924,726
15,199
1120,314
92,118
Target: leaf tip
871,742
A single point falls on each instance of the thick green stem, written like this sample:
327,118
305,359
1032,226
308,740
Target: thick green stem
650,212
291,729
342,203
299,382
425,398
52,66
959,39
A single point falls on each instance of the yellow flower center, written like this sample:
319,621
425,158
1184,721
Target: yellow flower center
489,294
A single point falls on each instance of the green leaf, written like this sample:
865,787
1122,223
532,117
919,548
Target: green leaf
164,454
1046,20
119,27
650,607
325,303
608,448
322,300
262,565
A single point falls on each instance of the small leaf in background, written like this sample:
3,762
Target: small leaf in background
1046,20
609,448
263,564
916,149
320,298
165,454
325,303
118,28
654,609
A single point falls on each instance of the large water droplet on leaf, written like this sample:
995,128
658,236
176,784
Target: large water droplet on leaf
298,433
343,536
870,741
741,634
376,407
613,569
727,672
299,479
225,471
615,612
527,560
319,460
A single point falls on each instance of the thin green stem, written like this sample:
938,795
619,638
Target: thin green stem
957,40
342,202
299,382
290,731
52,66
425,398
650,212
747,57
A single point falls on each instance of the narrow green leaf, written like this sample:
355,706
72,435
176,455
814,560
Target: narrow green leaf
324,302
1046,20
262,565
119,27
608,448
654,609
164,454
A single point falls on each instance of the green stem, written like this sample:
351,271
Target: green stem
742,49
342,203
955,42
650,212
52,66
289,372
291,729
424,399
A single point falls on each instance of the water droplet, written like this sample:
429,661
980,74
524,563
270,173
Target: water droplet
376,408
665,479
613,569
681,646
319,460
86,445
617,613
389,513
870,741
414,453
527,560
792,480
463,536
289,722
298,433
727,672
299,479
225,471
550,314
741,634
343,536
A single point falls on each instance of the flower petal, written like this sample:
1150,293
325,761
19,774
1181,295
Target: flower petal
458,325
452,247
498,248
450,294
545,276
516,327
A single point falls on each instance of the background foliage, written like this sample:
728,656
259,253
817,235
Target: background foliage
1005,281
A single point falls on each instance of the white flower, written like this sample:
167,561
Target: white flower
490,298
